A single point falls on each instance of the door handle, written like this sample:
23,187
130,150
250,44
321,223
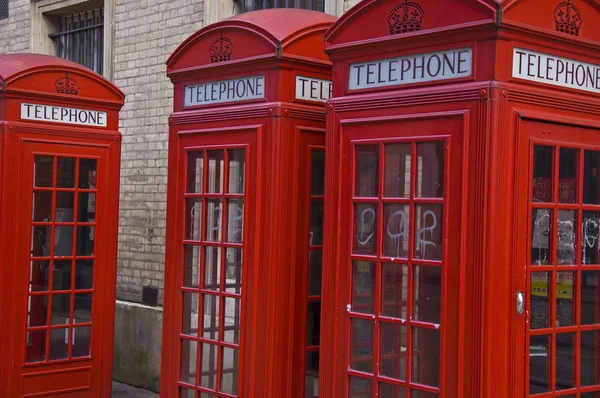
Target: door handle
520,303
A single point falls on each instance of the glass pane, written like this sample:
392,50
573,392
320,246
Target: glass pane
590,366
209,366
363,287
540,240
422,394
86,207
427,294
40,241
317,177
365,229
231,334
189,312
82,311
540,301
59,344
316,222
193,221
426,357
539,364
590,230
65,173
233,270
235,220
43,171
61,275
361,345
189,349
63,241
360,388
315,268
211,317
65,205
428,232
312,374
215,172
393,351
565,361
81,342
61,309
84,274
590,296
394,290
185,393
39,275
237,167
591,188
206,395
38,311
396,234
367,171
42,206
566,238
87,173
195,168
36,346
212,268
430,169
85,241
565,298
313,323
191,266
214,221
590,395
397,170
543,161
391,391
568,170
229,380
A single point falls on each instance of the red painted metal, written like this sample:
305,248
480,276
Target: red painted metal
58,300
490,122
279,134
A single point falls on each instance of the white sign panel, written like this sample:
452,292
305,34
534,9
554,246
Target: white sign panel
421,68
311,89
242,89
61,114
556,71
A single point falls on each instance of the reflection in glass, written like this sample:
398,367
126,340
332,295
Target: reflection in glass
361,345
40,241
38,271
391,391
565,361
43,171
189,312
59,344
543,161
394,290
427,292
565,298
215,172
209,366
540,301
590,366
85,240
566,237
367,171
38,311
590,295
365,229
195,170
393,351
428,232
65,205
229,371
82,312
426,356
191,266
193,221
65,173
63,241
214,222
187,373
567,185
591,163
84,274
316,222
81,342
235,220
363,287
36,346
312,375
233,269
211,316
212,268
317,177
360,388
185,393
590,231
313,323
430,169
397,170
540,239
86,207
42,205
539,364
61,278
396,232
315,264
231,333
237,165
87,173
61,309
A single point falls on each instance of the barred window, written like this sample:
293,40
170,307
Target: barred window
3,9
252,5
80,38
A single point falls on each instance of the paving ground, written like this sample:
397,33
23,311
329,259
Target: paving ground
120,390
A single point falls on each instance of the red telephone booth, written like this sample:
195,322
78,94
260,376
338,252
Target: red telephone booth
462,205
59,182
245,208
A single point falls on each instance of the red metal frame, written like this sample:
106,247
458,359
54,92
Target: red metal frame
30,233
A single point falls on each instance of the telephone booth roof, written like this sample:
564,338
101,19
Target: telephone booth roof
266,34
37,74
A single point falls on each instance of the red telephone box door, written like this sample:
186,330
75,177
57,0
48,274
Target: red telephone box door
60,271
558,347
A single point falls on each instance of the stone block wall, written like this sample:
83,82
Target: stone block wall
16,29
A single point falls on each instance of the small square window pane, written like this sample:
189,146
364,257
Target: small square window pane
85,240
363,287
229,371
568,171
566,237
187,393
367,171
193,219
365,229
63,241
565,361
317,176
38,311
189,352
209,366
313,323
84,274
38,275
59,344
82,311
539,364
361,345
543,167
427,294
590,296
360,388
86,207
590,229
233,270
565,298
589,369
191,266
36,346
429,232
214,220
237,169
43,171
195,170
315,269
42,206
87,173
391,390
396,218
61,275
316,222
81,342
189,309
591,189
540,300
215,171
394,291
61,309
393,351
430,169
398,163
422,394
426,356
211,316
540,239
233,308
235,220
65,173
212,268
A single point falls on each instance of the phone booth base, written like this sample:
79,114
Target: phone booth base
59,184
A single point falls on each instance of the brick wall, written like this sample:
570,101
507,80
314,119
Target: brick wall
15,30
146,33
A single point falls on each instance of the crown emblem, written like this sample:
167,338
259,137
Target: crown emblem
67,85
405,17
567,18
220,50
